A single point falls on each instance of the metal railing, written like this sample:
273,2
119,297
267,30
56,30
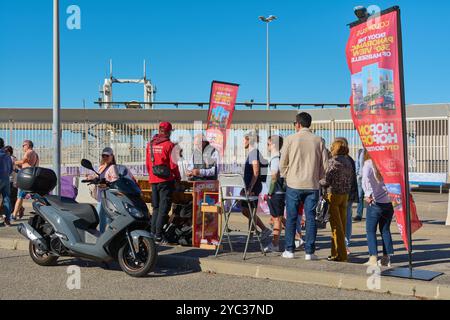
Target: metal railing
427,140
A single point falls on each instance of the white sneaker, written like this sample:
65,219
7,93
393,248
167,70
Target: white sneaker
311,257
271,248
287,255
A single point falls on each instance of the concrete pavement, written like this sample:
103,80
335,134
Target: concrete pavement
21,279
431,247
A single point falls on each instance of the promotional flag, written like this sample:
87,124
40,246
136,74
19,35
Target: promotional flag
374,59
221,109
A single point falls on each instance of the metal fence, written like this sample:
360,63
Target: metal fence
427,140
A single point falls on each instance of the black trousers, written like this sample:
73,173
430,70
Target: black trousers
162,204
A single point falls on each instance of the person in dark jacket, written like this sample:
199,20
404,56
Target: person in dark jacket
6,168
162,186
337,181
353,197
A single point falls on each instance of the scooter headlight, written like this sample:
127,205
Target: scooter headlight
133,211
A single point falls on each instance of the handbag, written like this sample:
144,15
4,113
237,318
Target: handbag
322,212
93,191
161,171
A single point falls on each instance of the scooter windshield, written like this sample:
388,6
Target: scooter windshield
126,186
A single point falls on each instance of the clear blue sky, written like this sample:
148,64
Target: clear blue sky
190,43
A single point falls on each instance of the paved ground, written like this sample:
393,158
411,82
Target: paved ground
22,279
431,252
431,243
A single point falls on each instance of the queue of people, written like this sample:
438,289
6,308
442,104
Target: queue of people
299,172
301,169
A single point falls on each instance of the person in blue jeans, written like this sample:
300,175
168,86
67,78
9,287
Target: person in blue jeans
379,213
359,168
303,163
294,198
6,168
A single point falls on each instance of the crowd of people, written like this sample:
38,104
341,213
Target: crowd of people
300,172
9,166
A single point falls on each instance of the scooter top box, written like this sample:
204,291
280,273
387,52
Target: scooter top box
37,180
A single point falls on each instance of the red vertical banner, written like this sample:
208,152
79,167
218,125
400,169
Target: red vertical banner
221,109
373,54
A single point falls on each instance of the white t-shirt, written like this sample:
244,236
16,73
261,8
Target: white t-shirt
274,168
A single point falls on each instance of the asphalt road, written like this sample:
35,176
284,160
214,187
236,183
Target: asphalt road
22,279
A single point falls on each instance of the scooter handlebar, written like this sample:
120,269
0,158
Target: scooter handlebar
96,181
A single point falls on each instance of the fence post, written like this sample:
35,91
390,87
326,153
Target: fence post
333,130
11,132
85,138
448,171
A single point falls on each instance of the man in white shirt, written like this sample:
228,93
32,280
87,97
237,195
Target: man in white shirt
203,164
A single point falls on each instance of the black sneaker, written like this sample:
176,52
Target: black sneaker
7,222
357,219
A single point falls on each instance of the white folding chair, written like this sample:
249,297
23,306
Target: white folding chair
231,181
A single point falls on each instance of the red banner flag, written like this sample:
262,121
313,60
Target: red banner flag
221,109
373,53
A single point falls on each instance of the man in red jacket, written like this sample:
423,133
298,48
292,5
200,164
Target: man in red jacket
163,172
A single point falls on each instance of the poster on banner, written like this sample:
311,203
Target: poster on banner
373,57
221,108
211,228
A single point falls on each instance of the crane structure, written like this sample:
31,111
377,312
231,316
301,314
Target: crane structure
106,99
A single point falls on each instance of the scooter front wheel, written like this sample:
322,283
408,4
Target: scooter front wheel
143,263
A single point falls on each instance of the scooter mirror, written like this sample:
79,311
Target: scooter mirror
87,164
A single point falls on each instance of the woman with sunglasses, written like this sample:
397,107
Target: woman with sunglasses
108,171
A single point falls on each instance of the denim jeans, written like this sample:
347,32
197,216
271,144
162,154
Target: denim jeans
103,217
5,191
379,215
294,198
360,209
349,224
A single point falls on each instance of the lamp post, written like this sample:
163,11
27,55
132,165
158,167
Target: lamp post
268,20
56,99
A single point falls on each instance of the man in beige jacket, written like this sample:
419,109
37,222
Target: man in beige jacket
304,159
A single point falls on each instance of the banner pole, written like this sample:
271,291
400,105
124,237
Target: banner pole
405,141
56,98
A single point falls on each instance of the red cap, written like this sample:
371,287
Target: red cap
166,126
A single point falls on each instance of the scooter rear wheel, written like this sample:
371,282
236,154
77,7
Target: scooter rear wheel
42,259
145,258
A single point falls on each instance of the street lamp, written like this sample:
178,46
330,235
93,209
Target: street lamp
268,20
56,99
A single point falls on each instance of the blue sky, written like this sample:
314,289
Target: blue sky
190,43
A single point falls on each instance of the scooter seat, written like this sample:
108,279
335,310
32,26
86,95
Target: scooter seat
86,212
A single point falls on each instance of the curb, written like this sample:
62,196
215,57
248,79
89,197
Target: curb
422,290
322,278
